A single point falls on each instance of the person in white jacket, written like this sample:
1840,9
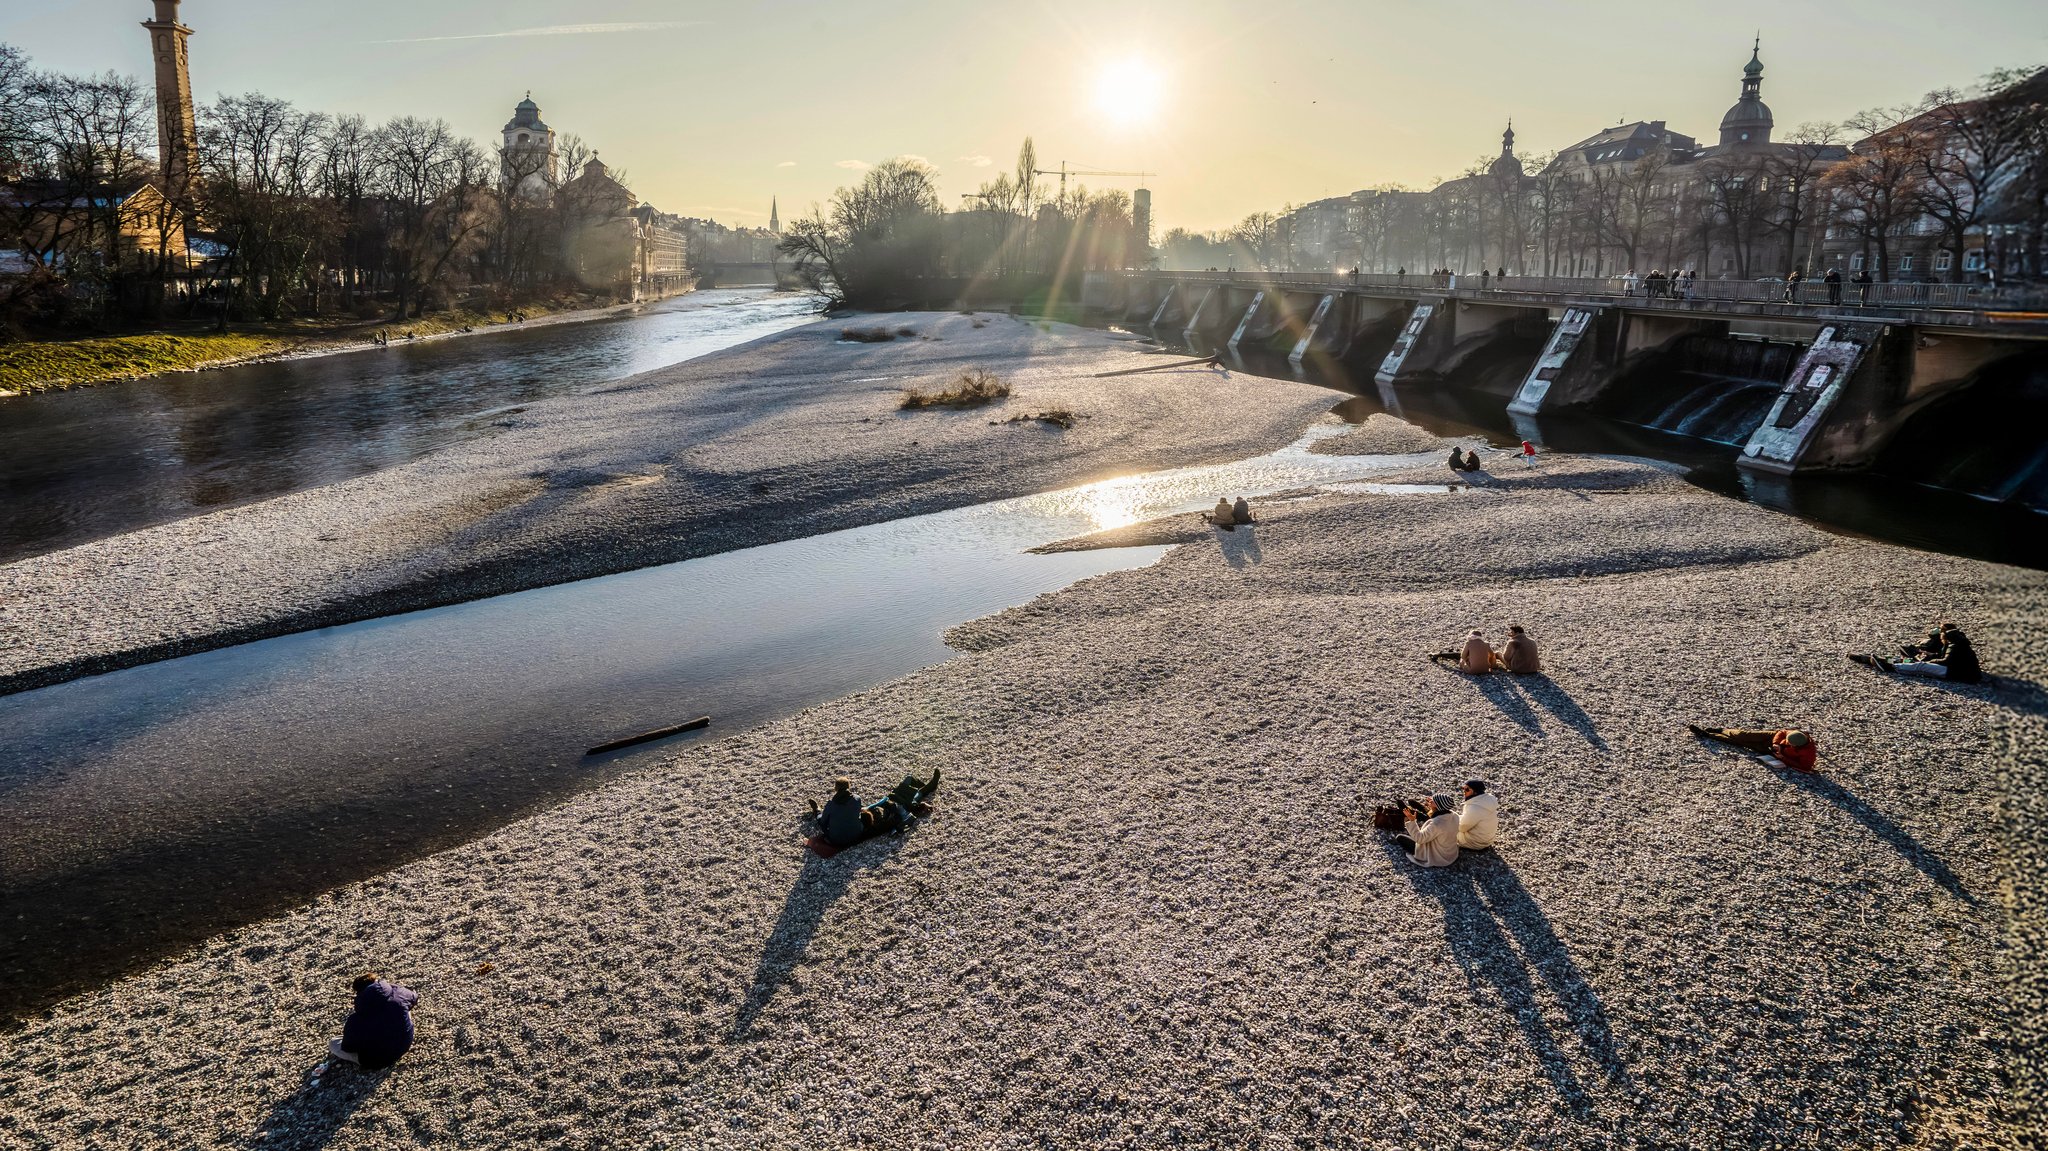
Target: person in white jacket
1479,819
1434,841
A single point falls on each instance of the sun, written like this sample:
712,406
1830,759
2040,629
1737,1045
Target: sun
1128,92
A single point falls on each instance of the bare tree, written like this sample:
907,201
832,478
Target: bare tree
1875,185
432,183
1969,148
881,237
260,163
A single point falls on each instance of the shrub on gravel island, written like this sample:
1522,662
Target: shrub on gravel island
870,335
973,387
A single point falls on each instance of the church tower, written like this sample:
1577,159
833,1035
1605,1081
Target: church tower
1748,123
529,158
774,217
177,133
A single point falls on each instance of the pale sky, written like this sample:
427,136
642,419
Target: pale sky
711,108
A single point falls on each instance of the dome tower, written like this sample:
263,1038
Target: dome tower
1748,123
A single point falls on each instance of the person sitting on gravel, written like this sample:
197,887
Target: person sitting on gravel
1479,818
1457,458
1222,515
379,1030
1241,511
1519,656
1433,840
1471,461
1792,747
1931,647
1475,658
841,821
1955,662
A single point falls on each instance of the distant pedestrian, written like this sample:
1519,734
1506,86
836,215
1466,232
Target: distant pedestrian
1500,273
1792,283
1528,453
1834,282
379,1030
1628,282
1401,274
1862,281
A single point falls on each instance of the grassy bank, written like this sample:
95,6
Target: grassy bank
31,366
43,366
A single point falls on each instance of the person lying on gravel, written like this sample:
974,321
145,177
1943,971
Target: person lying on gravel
1519,656
844,821
379,1030
1479,818
1432,841
1475,658
1792,747
1956,661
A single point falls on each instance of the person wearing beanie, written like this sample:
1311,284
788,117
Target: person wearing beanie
1222,515
1792,747
845,821
1241,511
1432,841
1479,818
379,1030
1519,656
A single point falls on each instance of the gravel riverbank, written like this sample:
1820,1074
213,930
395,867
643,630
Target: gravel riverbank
1152,911
789,436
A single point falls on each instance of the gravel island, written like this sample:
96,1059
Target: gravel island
1152,911
792,435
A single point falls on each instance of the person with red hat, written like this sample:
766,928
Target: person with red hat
1528,453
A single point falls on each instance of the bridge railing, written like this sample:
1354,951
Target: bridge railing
1968,297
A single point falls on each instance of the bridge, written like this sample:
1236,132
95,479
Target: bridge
759,275
1869,358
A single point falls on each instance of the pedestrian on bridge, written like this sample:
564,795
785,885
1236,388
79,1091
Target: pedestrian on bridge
1792,283
1862,281
1834,282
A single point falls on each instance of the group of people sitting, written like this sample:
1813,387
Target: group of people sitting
845,820
1945,654
1228,514
1477,657
1465,461
1434,829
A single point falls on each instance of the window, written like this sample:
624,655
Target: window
1745,135
1856,262
1943,260
1905,263
1973,260
522,137
1727,263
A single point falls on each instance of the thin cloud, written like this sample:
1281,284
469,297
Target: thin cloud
976,161
556,30
787,164
855,165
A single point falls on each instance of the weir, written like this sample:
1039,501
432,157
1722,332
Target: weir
1865,369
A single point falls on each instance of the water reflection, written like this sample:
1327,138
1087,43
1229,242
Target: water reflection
92,462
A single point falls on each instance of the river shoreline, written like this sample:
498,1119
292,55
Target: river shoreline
795,434
1151,908
355,336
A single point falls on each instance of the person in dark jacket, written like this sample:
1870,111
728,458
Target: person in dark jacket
379,1030
1956,661
840,820
1834,282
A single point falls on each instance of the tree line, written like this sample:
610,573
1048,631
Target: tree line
289,212
1945,166
889,241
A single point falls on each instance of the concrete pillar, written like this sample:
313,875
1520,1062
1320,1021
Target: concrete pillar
1194,327
1251,313
1165,302
1780,443
1570,350
1425,326
1308,333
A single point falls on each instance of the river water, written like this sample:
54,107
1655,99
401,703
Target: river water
91,462
152,807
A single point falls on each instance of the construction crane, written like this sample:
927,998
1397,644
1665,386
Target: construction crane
1063,173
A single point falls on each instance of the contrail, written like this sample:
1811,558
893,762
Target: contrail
555,30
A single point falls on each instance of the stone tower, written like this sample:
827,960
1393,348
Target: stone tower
774,217
177,134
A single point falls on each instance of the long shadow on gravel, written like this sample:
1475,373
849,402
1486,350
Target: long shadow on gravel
1508,698
1880,825
1559,703
818,886
1502,939
312,1116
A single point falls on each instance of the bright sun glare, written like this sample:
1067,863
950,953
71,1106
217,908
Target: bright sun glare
1127,92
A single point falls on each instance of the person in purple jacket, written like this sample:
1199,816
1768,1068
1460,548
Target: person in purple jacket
379,1030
